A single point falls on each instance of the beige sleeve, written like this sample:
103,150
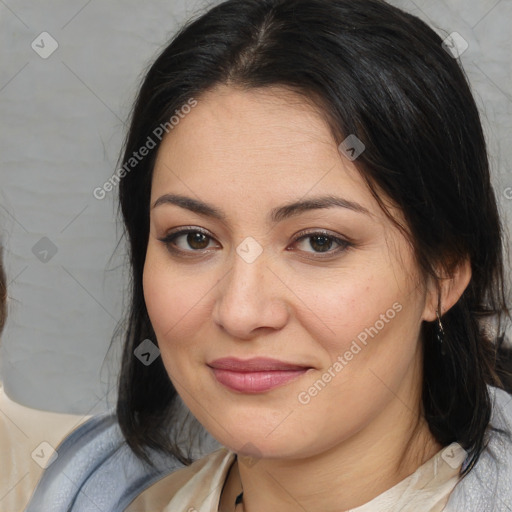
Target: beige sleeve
28,439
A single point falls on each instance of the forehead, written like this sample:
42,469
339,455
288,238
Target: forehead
269,143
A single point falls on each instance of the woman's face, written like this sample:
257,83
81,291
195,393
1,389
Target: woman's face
288,257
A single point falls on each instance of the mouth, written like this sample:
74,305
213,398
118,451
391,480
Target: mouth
255,375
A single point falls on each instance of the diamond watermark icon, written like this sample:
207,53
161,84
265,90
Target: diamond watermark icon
44,454
253,458
44,249
455,45
454,458
249,250
44,45
146,352
351,147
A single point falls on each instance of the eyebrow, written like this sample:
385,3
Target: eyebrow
276,215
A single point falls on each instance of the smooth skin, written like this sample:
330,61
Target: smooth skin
247,153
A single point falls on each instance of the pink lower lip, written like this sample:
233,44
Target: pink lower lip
256,382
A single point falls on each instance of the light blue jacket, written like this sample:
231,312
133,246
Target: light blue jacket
488,486
97,472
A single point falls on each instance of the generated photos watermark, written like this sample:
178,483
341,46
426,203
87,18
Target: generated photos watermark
139,155
357,345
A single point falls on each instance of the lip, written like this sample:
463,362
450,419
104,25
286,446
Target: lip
255,375
255,364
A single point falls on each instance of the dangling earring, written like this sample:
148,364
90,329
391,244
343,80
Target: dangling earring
440,333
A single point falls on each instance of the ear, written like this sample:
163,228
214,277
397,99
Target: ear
445,291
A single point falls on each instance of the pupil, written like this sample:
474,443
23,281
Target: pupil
197,240
322,243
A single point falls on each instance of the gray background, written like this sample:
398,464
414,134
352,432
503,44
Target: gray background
62,124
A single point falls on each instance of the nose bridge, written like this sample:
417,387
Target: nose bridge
249,268
250,296
247,280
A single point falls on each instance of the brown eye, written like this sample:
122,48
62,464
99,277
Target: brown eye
321,244
188,241
197,240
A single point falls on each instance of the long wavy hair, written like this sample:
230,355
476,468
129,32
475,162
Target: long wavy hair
383,75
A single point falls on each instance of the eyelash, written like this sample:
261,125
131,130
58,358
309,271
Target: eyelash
171,237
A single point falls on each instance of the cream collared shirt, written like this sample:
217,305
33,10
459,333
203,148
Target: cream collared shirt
198,487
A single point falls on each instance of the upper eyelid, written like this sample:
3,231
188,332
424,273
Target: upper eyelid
184,230
300,234
319,231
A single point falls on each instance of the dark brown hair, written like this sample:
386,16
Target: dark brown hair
383,75
3,294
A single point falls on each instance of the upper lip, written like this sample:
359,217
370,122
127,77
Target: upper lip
254,364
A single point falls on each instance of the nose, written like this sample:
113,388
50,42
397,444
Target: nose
251,299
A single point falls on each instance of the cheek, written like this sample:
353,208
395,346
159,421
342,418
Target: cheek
368,351
354,306
363,321
175,301
170,306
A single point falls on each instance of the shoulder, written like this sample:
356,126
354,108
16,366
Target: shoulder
28,438
487,487
95,468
